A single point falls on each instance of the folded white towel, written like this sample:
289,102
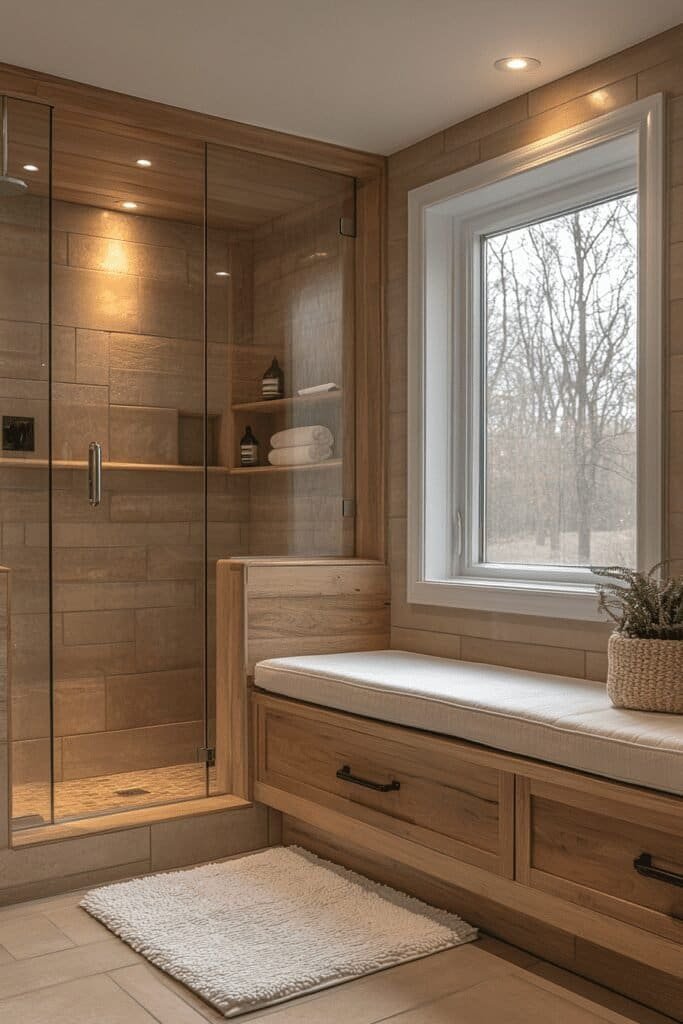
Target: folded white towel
318,389
298,436
300,455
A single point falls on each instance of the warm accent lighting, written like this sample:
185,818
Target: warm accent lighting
129,205
222,273
517,64
143,163
30,167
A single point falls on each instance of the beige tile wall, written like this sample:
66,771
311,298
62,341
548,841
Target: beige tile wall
653,66
128,586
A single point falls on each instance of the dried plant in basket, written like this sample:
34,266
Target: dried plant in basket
645,653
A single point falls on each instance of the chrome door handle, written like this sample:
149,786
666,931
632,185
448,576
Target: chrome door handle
94,474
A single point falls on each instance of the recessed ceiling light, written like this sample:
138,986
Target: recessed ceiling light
222,273
129,205
517,64
30,167
143,163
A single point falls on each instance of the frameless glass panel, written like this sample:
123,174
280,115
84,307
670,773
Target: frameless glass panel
560,389
24,477
280,271
128,388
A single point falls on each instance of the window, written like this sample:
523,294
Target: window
534,373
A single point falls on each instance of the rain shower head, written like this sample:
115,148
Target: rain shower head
9,186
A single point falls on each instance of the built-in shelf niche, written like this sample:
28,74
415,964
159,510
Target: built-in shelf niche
191,439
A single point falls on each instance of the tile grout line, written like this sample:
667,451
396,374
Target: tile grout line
145,1009
434,1002
169,988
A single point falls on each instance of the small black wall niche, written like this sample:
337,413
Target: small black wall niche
18,434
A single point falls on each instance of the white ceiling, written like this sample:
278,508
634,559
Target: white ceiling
374,74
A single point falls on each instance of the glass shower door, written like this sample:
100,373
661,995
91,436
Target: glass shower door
128,476
280,286
24,475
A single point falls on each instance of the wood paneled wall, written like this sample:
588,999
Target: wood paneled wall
274,608
544,644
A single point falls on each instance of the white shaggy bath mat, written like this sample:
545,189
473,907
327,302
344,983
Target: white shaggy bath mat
269,926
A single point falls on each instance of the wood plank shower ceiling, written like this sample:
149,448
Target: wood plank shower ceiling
94,163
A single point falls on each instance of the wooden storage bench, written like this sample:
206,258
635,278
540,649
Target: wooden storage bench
535,821
411,784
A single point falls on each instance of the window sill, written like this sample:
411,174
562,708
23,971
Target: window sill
554,600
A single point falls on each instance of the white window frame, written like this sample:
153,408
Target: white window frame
616,152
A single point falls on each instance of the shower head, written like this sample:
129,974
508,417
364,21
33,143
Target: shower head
9,186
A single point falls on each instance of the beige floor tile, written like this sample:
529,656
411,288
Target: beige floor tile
100,980
393,991
30,908
142,983
89,1001
185,995
78,926
67,965
39,937
514,999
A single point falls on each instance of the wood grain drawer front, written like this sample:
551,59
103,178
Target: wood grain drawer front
418,787
585,848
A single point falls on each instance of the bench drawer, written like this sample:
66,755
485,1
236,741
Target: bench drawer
417,785
621,859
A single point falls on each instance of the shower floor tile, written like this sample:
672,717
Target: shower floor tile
82,798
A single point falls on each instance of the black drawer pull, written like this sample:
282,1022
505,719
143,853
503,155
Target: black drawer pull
643,866
382,787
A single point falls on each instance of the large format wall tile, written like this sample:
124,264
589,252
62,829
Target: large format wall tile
99,627
94,300
70,597
143,435
161,263
24,290
80,414
205,837
92,357
79,706
100,564
171,309
131,749
154,698
167,638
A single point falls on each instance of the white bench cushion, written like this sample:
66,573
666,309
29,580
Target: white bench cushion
568,722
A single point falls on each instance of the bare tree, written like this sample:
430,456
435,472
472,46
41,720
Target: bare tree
561,328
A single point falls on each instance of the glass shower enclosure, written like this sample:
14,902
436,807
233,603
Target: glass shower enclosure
147,283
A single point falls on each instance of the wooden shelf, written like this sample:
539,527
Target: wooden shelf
161,467
278,404
330,464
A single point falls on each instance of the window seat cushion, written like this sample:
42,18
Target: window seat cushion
568,722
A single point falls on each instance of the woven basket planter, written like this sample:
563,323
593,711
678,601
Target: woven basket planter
645,675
